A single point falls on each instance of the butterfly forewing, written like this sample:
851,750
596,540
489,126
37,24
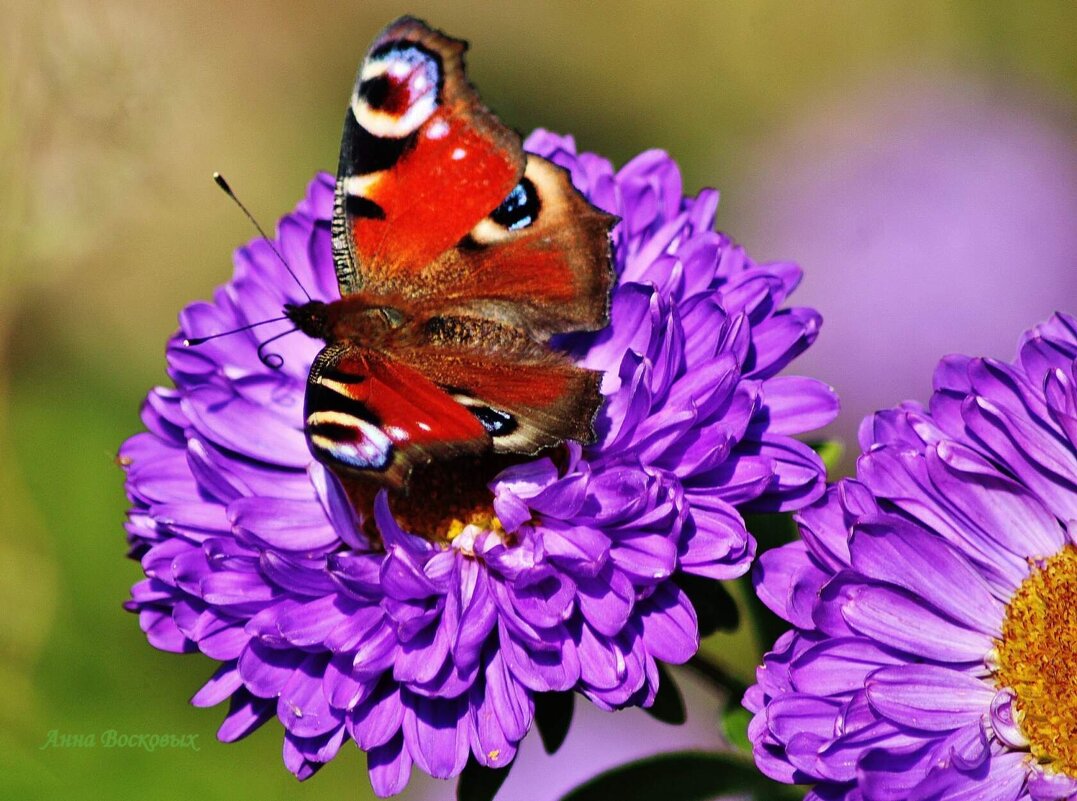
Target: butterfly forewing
421,160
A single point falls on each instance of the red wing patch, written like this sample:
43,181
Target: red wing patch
541,260
526,403
452,176
421,159
367,413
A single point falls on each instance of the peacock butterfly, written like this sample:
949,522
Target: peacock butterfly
458,257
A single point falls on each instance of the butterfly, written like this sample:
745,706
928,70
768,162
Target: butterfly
458,257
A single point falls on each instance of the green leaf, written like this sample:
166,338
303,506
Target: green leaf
771,531
668,705
831,452
715,607
479,783
721,680
766,626
553,715
683,776
735,720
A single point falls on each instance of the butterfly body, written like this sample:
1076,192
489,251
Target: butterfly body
458,257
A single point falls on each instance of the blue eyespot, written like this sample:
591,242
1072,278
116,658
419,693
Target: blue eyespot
520,209
496,422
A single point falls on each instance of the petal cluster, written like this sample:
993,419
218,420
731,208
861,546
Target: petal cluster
432,653
887,687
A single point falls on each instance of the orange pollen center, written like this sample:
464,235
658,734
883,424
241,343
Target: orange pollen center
1037,659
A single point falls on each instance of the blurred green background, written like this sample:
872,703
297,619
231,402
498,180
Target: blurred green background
821,122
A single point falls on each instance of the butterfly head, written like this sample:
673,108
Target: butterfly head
311,318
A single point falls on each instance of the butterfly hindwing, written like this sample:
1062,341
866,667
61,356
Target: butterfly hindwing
527,396
368,413
541,260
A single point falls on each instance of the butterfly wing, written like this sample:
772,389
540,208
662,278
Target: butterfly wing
540,261
538,265
482,252
526,396
438,206
369,414
421,160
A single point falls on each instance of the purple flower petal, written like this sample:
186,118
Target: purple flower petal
795,404
302,707
224,682
789,582
928,567
1046,785
717,545
1004,719
606,600
377,720
436,734
928,696
266,670
312,623
838,667
163,633
389,766
245,714
543,670
285,525
896,618
670,628
241,426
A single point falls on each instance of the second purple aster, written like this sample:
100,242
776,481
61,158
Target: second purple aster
428,650
933,598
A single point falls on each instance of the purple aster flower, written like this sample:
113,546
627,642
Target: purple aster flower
934,646
428,650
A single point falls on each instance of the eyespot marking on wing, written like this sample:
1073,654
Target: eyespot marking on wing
497,423
398,89
349,440
518,211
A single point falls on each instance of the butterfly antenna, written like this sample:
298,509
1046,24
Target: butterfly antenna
223,184
192,341
274,361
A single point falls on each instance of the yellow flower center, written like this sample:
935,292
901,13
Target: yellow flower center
483,519
1037,659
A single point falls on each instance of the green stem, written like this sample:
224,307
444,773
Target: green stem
717,676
